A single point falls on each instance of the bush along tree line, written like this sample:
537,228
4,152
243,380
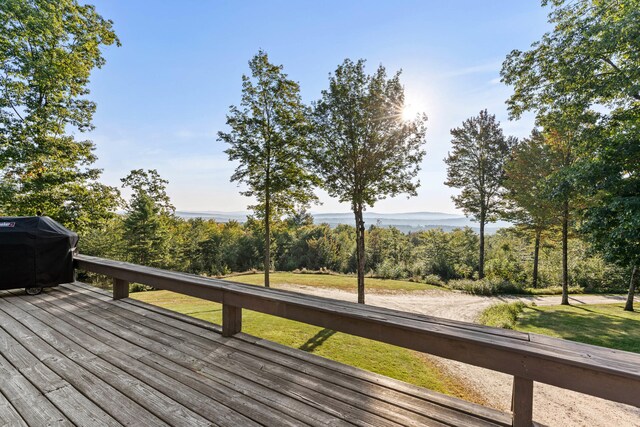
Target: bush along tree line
572,186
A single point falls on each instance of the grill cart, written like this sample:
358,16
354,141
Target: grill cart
35,252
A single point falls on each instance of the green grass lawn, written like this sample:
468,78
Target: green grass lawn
344,282
385,359
606,325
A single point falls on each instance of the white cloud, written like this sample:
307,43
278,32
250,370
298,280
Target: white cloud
191,134
492,66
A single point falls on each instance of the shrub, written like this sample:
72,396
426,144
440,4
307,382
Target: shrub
484,287
390,270
502,315
552,290
432,279
139,287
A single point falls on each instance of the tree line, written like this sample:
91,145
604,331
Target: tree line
150,233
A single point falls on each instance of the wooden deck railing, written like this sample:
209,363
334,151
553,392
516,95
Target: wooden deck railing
609,374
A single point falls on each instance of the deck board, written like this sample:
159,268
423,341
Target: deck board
258,360
81,358
79,409
404,395
342,400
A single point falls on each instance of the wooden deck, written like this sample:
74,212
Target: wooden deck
74,356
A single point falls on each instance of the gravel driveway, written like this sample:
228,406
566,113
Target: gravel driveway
552,406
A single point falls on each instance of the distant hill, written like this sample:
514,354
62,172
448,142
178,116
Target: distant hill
405,222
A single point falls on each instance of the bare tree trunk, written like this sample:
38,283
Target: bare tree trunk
360,251
632,290
565,252
481,264
267,238
536,258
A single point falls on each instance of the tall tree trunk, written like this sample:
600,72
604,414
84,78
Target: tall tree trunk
565,252
536,258
481,265
632,290
267,238
360,251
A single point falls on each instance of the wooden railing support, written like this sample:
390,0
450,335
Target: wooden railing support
522,402
231,320
120,289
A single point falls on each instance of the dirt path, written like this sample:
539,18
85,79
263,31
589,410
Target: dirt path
552,406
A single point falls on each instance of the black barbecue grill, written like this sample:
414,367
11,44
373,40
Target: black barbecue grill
35,252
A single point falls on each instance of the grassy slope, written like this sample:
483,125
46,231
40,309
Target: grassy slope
343,282
606,325
377,357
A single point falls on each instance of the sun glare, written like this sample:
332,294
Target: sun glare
410,111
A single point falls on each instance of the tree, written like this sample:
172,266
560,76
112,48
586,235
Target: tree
476,165
267,137
526,173
612,178
590,58
146,231
47,52
363,150
563,190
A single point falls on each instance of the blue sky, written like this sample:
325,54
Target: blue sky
164,94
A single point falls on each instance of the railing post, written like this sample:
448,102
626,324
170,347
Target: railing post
120,289
231,320
522,402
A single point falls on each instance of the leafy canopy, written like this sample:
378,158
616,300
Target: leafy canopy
362,148
476,166
47,52
146,223
590,58
586,74
268,139
527,173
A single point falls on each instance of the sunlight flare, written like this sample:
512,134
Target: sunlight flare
410,111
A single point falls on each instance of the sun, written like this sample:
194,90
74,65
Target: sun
409,112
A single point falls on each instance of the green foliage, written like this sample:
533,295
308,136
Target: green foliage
432,257
589,58
476,166
509,255
585,73
388,245
484,286
146,225
47,52
268,139
317,247
527,171
612,177
362,149
503,315
150,184
105,240
449,255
